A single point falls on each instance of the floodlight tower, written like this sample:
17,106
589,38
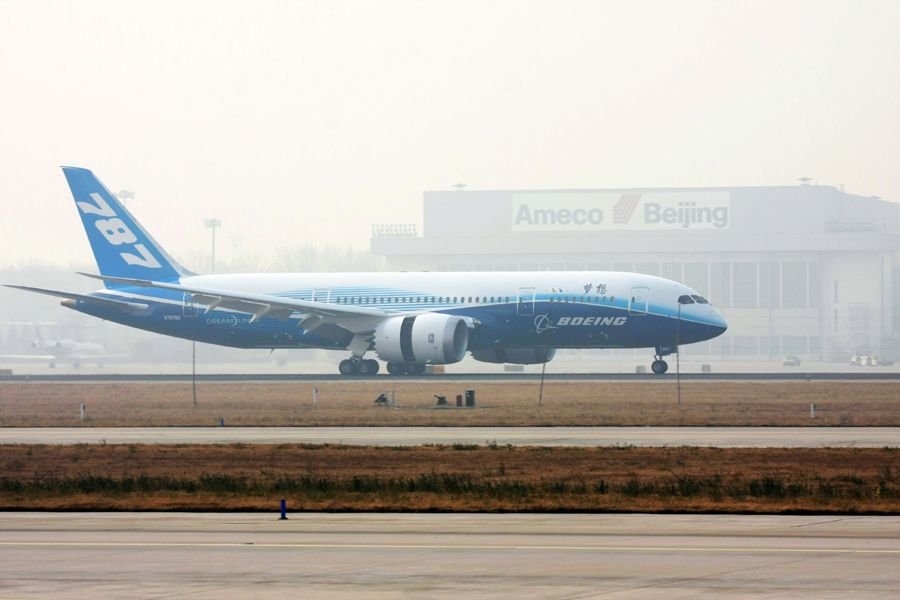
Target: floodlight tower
212,225
125,196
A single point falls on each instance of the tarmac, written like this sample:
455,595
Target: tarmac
313,555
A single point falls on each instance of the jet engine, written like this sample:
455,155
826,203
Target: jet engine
516,356
428,338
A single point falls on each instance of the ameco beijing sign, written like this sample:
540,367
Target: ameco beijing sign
609,211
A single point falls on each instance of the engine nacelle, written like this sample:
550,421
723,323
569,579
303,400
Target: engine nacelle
515,356
427,338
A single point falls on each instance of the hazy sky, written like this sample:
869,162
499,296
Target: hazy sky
306,122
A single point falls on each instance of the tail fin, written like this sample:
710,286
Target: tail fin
122,248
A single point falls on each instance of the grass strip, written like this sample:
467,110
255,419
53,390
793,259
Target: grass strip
341,404
449,478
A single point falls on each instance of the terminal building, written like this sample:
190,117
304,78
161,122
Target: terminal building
803,270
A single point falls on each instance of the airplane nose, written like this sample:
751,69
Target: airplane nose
717,323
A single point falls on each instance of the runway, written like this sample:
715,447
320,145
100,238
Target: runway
211,556
880,375
721,437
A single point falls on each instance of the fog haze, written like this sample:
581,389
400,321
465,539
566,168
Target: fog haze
305,123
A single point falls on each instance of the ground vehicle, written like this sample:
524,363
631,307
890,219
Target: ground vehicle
863,360
791,361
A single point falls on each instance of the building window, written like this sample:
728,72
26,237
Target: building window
647,268
793,285
720,283
672,271
696,276
770,285
814,290
794,344
744,285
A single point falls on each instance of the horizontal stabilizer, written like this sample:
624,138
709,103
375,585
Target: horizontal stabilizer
123,305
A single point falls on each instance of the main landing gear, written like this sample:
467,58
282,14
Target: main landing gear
406,368
358,366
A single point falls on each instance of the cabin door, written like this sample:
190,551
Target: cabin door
637,304
525,303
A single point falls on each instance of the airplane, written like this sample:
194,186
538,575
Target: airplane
409,320
63,350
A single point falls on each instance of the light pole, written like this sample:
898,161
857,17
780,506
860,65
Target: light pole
212,225
681,300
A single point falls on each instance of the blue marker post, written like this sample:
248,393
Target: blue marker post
283,509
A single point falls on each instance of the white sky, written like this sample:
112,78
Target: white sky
306,122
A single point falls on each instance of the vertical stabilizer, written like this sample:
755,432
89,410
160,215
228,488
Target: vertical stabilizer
122,248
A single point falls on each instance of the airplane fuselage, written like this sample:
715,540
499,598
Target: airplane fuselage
589,309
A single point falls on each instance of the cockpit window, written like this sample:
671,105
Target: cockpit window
700,299
685,299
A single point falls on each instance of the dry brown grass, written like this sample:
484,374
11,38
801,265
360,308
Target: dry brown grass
499,404
452,478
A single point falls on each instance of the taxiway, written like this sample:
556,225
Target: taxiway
722,437
153,555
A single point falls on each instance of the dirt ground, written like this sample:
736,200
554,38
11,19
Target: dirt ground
497,404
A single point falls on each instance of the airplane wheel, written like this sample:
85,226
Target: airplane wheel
659,367
415,368
396,368
368,367
348,367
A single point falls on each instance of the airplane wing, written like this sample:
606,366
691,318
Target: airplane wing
356,319
87,356
28,357
124,305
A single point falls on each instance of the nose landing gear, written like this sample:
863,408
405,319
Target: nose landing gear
659,366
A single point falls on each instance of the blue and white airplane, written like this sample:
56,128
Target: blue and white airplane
408,320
